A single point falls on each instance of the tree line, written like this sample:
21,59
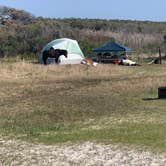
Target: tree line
22,34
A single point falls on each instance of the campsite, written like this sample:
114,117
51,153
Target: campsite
96,105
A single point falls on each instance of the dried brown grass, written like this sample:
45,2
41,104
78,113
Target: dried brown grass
49,99
22,75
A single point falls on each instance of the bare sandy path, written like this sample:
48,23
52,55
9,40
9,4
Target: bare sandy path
15,153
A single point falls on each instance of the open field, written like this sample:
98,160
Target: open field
56,104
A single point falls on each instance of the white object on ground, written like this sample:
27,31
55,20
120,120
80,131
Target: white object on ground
128,62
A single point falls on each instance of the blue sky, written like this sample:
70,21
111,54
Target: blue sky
153,10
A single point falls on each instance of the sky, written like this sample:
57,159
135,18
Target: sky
146,10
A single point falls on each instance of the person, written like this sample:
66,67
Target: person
124,57
99,57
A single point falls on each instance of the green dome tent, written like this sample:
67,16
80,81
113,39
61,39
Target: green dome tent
75,55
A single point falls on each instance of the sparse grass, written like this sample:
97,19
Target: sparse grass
107,103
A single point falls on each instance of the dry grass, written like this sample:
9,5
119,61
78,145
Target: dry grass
136,40
69,103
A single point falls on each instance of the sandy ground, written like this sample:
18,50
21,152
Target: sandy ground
14,152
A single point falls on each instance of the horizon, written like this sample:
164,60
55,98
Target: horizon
128,10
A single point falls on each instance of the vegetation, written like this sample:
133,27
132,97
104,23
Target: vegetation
54,104
23,34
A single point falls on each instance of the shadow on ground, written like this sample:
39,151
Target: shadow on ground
151,98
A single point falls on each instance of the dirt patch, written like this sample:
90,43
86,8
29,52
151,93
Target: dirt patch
14,152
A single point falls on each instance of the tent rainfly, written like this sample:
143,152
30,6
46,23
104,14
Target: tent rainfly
75,55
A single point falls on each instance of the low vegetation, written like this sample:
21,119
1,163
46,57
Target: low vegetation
107,103
23,34
55,104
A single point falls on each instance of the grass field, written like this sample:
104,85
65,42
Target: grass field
107,103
